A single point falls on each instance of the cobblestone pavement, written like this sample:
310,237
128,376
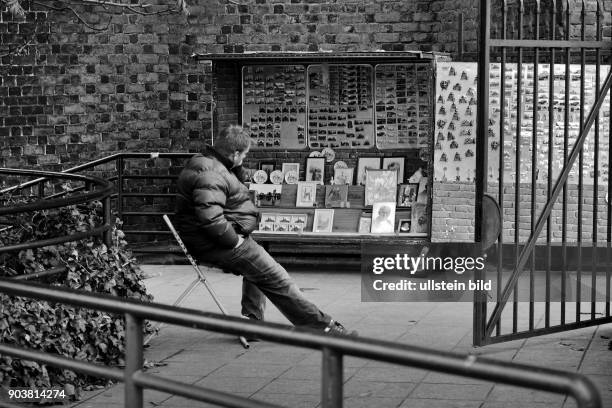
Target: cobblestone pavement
290,376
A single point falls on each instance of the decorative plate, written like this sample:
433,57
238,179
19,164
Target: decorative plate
260,177
291,177
315,153
424,154
276,177
340,165
329,154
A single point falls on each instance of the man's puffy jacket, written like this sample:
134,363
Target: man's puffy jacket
213,206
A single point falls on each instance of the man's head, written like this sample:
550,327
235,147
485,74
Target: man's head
233,142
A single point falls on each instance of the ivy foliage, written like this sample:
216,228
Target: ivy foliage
74,332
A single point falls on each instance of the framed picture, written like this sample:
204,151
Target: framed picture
365,224
298,222
281,227
343,176
266,226
268,167
323,220
283,218
395,163
366,163
315,167
381,185
336,195
407,195
268,217
287,167
420,219
403,226
383,217
306,193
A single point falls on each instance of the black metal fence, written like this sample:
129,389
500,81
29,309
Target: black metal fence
551,84
333,348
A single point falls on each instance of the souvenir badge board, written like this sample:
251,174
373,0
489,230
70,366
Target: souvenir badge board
455,124
403,105
340,108
274,106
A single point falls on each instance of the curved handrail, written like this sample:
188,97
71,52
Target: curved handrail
70,170
107,159
105,191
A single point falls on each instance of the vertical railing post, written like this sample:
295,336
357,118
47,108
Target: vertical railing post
108,234
482,130
41,189
331,385
133,360
120,168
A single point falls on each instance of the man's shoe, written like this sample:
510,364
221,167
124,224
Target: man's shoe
251,337
337,328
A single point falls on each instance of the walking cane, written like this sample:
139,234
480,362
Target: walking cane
201,278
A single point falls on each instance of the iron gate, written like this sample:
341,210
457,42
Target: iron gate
550,81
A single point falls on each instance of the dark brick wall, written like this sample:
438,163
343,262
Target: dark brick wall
74,94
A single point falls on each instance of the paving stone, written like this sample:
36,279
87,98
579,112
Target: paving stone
182,402
441,378
285,386
439,403
370,402
358,388
242,385
311,372
294,401
513,394
452,391
316,359
270,357
234,370
389,373
513,404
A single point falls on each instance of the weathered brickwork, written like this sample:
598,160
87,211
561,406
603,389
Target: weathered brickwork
72,93
453,213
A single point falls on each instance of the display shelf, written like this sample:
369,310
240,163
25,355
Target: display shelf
345,219
337,237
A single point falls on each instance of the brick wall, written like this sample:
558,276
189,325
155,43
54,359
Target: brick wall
74,94
453,213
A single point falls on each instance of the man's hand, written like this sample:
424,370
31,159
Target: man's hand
240,241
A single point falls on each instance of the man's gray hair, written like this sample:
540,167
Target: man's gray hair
231,139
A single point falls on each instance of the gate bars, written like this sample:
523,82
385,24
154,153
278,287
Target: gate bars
525,251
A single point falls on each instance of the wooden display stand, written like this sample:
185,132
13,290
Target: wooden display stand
345,222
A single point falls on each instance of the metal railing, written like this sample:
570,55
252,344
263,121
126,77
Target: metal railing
103,194
333,348
116,200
